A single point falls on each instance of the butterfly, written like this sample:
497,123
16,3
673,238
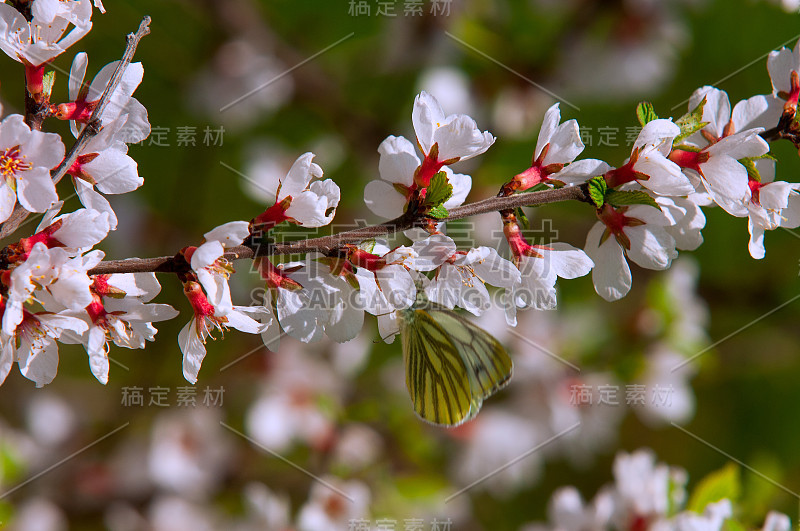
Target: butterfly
452,365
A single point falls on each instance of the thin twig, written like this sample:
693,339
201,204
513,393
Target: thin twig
327,244
94,125
91,129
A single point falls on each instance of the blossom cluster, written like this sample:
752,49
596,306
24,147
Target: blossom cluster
648,208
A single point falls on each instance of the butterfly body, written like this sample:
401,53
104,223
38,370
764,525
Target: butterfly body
452,365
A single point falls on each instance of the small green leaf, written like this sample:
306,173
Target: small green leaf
438,191
645,113
597,191
521,217
620,198
438,212
48,81
724,483
691,122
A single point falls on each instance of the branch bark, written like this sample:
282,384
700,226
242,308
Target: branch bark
327,244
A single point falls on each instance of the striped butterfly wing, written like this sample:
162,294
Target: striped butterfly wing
489,363
437,377
452,365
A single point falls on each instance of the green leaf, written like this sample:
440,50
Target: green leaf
645,113
438,191
620,198
597,191
724,483
691,122
48,81
522,218
438,212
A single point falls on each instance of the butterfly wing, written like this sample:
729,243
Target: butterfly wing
489,363
452,365
437,377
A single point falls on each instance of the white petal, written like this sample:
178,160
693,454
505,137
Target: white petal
426,117
398,160
611,274
194,350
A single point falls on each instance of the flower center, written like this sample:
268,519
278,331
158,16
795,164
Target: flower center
12,163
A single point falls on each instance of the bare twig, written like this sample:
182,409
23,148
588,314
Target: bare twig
91,129
94,125
327,244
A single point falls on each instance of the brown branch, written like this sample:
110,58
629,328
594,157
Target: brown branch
327,244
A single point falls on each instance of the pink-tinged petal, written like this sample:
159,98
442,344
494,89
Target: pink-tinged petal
549,124
35,190
398,160
565,144
383,200
651,247
114,171
461,139
13,130
39,363
300,175
780,63
656,133
756,243
426,116
666,177
580,171
77,73
194,350
8,198
611,274
229,234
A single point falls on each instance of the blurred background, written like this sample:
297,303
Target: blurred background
237,90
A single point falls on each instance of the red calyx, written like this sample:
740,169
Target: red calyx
197,298
625,174
689,159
